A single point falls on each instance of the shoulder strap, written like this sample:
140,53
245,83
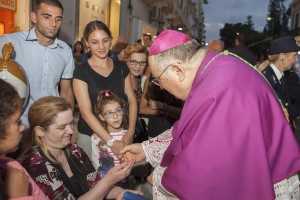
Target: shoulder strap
122,75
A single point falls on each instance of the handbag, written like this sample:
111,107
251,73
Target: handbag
141,131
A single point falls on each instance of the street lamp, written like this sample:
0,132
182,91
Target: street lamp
272,28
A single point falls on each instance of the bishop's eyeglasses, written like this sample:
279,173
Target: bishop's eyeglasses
156,80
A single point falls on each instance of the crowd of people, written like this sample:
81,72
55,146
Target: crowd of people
217,126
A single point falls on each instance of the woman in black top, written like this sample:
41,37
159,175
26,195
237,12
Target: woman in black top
100,72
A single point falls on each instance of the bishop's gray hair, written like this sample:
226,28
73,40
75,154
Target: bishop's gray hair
182,53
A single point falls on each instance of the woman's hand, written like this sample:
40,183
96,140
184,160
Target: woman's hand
127,138
105,188
119,172
133,152
116,148
17,183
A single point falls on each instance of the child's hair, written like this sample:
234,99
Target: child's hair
105,97
9,100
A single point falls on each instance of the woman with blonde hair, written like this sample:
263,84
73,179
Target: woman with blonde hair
62,170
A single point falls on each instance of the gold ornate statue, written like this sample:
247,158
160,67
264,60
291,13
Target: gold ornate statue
13,73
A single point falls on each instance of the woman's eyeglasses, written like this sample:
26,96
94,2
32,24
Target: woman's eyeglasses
141,63
110,114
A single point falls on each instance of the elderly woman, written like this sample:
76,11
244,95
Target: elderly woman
15,183
282,55
61,169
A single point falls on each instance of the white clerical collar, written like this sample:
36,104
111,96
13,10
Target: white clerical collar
278,73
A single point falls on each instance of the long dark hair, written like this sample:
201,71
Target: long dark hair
93,26
9,101
82,47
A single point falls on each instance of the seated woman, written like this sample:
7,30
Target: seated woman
15,182
61,169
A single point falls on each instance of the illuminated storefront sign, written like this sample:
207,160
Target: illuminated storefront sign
8,4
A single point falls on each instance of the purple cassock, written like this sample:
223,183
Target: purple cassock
232,141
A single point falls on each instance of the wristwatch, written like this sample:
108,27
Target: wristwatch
110,142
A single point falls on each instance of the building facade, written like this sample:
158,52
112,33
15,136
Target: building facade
130,18
153,16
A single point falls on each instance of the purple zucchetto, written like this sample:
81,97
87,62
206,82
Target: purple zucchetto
283,45
167,40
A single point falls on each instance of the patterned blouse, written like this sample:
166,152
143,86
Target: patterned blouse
48,178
